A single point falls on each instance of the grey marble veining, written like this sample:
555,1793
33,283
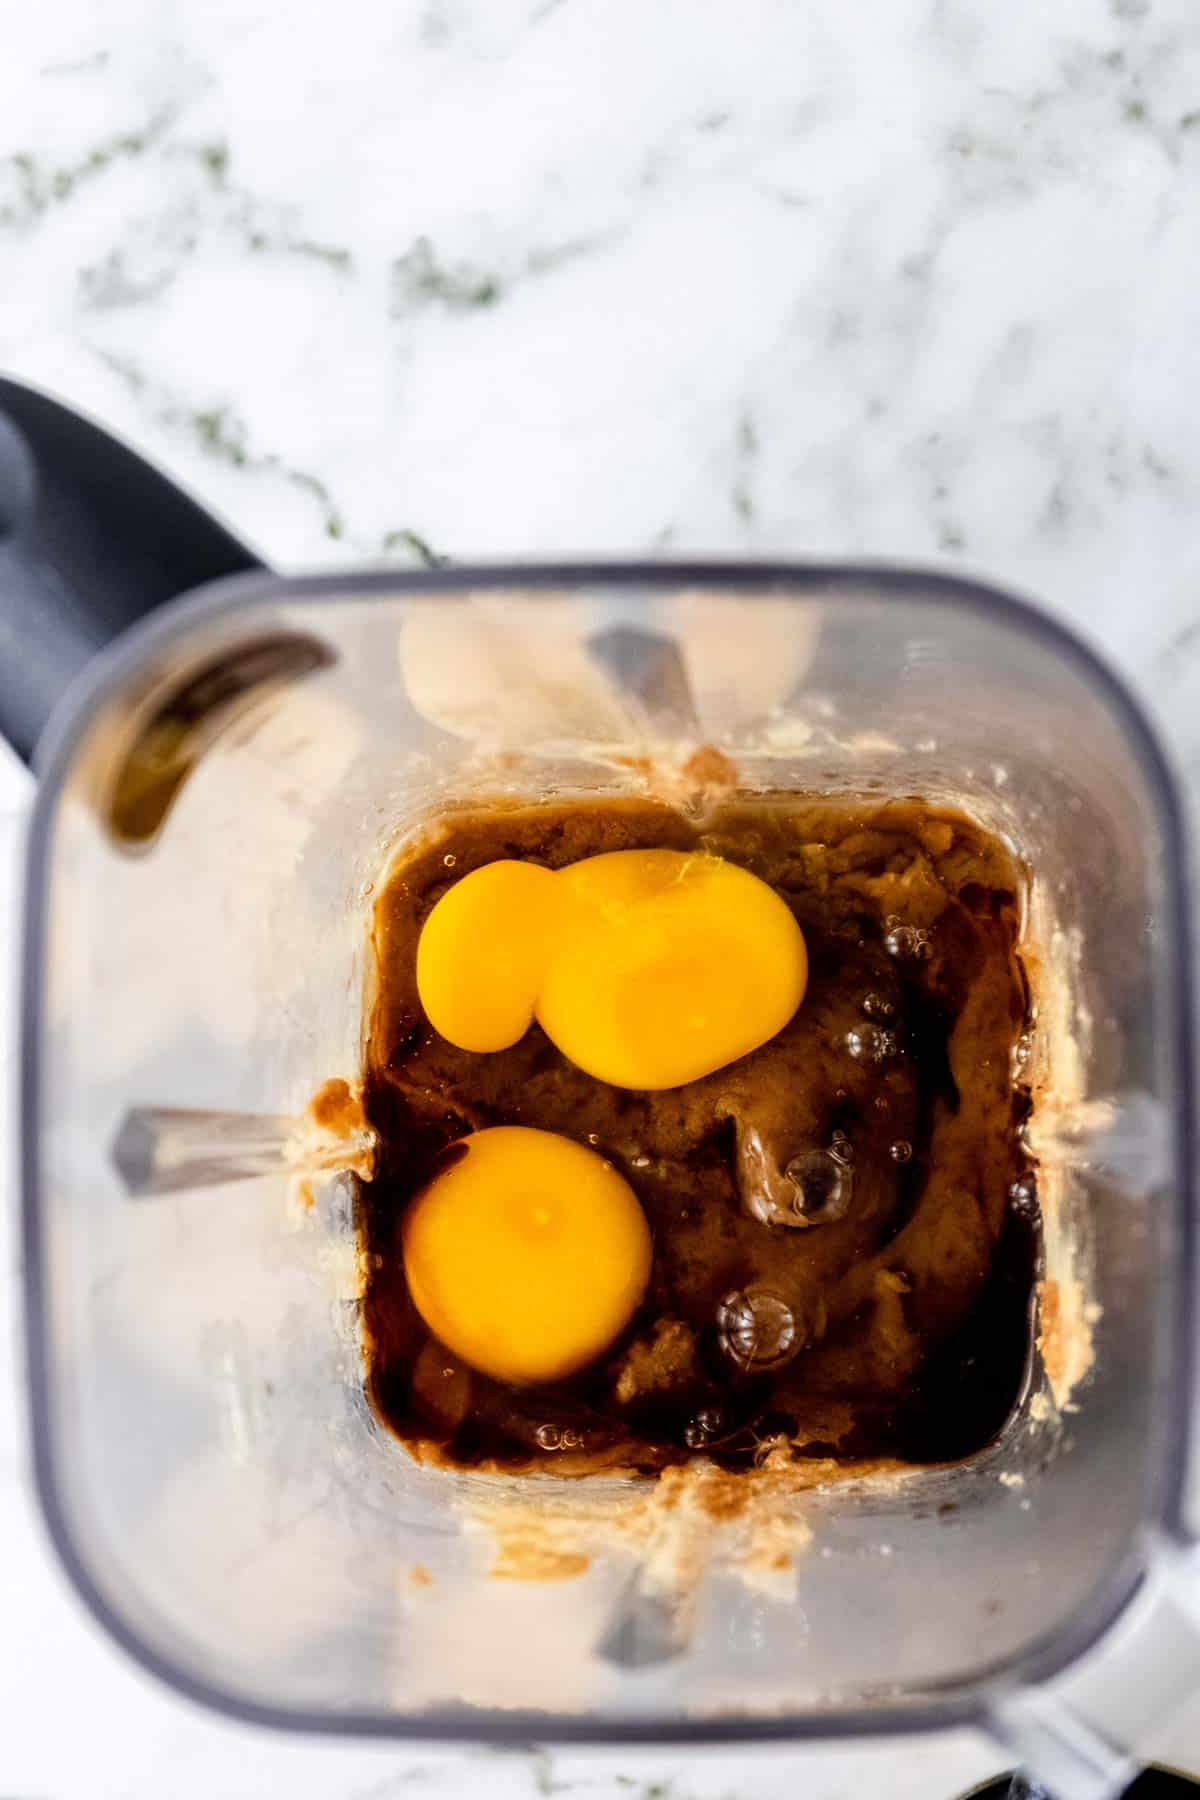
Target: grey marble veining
418,279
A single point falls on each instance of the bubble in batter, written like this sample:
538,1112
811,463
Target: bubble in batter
757,1328
704,1428
906,941
867,1043
557,1437
823,1183
1022,1196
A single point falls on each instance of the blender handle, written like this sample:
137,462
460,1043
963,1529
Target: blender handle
91,539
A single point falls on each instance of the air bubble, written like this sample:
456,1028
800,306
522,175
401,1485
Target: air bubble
867,1043
757,1327
593,1137
448,861
1022,1054
877,1006
901,1151
641,1162
812,1188
558,1437
822,1182
704,1427
907,942
1022,1196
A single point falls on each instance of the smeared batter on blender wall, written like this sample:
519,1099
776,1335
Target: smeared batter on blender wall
837,1265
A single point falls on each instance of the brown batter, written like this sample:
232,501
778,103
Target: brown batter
912,1295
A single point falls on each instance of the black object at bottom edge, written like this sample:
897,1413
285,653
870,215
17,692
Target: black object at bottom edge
1153,1783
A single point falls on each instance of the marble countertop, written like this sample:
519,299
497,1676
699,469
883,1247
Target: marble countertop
453,278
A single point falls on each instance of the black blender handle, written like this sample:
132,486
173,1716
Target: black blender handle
1153,1783
91,538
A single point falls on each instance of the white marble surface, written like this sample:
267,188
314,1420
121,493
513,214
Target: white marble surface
914,280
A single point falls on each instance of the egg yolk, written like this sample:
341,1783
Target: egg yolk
668,966
482,952
647,968
527,1254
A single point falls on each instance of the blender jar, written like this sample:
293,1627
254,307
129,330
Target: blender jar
220,790
217,801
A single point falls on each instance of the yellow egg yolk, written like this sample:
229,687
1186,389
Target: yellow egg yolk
647,968
482,951
527,1254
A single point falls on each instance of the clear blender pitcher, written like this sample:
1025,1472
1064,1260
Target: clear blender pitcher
219,792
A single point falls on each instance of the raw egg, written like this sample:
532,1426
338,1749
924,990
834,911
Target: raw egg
527,1254
482,952
668,966
647,968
